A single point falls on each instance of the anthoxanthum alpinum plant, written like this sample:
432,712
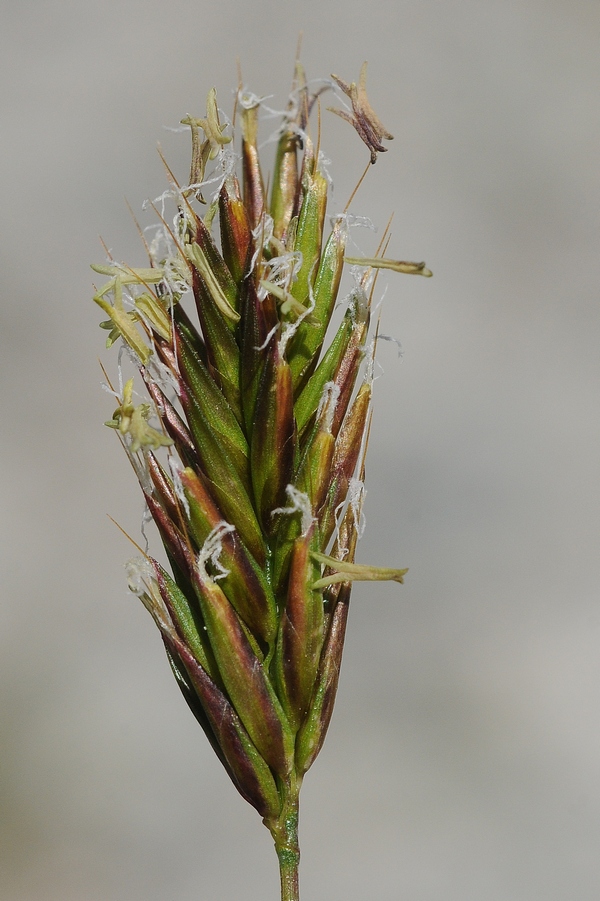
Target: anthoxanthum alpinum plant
253,469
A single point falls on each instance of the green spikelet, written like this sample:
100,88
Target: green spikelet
250,448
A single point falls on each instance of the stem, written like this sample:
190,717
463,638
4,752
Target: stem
288,871
285,835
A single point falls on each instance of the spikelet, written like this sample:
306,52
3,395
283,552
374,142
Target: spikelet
253,470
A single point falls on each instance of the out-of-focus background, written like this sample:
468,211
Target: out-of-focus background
463,761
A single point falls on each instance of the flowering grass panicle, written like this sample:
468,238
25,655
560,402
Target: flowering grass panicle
253,469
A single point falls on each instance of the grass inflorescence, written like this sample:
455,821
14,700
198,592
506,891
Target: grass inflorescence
253,470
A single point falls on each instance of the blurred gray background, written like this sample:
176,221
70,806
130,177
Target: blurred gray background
463,762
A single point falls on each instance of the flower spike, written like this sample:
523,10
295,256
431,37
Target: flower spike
253,468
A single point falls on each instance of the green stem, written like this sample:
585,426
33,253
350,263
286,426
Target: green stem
288,871
285,835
